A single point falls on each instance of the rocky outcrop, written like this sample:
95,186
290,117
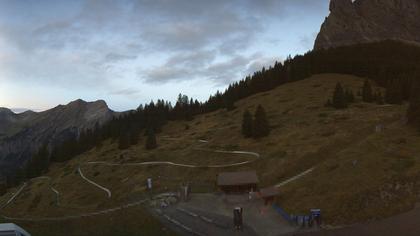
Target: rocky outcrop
22,134
364,21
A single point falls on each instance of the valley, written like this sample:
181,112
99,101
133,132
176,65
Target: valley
370,170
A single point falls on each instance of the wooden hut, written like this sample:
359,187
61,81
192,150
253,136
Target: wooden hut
237,182
268,194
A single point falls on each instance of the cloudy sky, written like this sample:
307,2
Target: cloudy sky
128,52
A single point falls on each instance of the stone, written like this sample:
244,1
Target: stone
365,21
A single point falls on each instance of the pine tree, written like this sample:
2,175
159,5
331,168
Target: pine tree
229,104
367,95
247,123
151,140
261,128
349,96
339,98
124,140
413,113
43,159
3,187
38,164
134,134
19,175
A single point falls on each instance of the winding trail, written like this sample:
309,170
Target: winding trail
14,196
150,163
93,183
56,192
257,155
61,218
294,178
109,193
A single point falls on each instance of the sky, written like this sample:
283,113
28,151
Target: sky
129,52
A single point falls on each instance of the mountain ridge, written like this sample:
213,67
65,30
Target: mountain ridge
364,21
22,134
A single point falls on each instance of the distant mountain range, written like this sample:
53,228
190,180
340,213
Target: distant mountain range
22,134
365,21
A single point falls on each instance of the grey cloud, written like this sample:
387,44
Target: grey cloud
126,92
83,43
200,33
163,74
198,58
115,57
221,73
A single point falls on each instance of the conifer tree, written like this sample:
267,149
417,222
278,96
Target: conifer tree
3,188
339,98
229,103
261,127
124,140
134,134
349,96
151,140
367,94
247,124
38,164
19,175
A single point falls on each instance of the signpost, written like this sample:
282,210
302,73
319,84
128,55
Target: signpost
316,216
237,218
149,183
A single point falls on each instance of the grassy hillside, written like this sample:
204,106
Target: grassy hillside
359,173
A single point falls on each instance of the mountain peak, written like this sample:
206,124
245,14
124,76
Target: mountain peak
77,102
365,21
83,103
340,5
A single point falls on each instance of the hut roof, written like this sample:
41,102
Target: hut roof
269,192
237,178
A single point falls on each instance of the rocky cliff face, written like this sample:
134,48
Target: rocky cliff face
364,21
22,134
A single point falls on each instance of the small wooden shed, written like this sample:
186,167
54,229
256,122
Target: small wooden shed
237,182
268,194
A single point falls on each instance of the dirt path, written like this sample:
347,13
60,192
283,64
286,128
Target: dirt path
108,192
150,163
296,177
14,195
61,218
254,154
56,192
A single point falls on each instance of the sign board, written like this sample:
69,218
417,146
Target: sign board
315,212
149,183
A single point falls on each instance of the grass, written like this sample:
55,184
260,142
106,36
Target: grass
130,222
355,166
